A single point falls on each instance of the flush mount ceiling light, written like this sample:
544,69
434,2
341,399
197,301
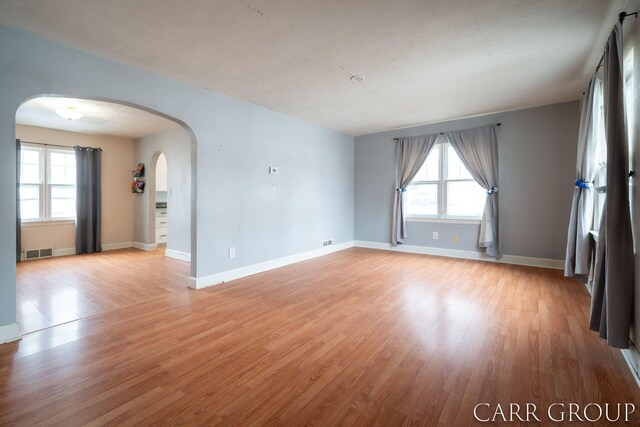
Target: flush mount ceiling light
69,113
357,77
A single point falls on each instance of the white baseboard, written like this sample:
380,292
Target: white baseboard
9,333
63,252
632,357
456,253
114,246
72,251
183,256
145,246
225,276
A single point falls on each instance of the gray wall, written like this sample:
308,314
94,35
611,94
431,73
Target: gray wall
176,146
237,203
537,156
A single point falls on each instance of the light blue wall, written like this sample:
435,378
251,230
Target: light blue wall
537,157
237,202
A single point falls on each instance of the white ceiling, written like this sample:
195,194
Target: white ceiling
100,118
423,60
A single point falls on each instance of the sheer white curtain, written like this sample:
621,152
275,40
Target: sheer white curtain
577,259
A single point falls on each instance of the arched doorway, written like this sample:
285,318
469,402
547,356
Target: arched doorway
102,124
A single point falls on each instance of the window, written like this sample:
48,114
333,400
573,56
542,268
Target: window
443,188
47,183
600,183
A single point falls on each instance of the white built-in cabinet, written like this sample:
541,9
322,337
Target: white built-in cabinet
161,225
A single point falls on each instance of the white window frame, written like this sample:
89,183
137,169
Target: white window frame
442,186
45,184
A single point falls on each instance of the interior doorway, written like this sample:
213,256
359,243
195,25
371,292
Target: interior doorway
161,202
137,259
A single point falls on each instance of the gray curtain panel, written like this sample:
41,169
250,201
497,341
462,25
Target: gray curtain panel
411,154
582,207
18,227
612,289
478,150
88,199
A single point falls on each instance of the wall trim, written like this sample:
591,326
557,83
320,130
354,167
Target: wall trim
632,357
62,252
72,251
10,332
249,270
145,246
119,245
183,256
456,253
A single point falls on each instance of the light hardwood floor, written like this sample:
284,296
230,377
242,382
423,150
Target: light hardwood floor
52,291
357,337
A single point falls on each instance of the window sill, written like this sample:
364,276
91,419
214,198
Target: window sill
444,220
48,223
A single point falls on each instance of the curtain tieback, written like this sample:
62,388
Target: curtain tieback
492,190
585,185
402,190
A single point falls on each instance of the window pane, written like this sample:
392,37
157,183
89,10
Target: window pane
30,209
59,192
63,208
465,198
57,159
63,168
422,199
430,168
30,174
455,168
70,174
30,156
29,192
63,202
29,202
57,174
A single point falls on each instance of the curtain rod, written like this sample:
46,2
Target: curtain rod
442,133
46,145
621,17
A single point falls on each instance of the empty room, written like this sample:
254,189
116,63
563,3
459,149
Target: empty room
249,212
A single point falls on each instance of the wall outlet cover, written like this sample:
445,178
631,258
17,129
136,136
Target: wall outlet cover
435,235
232,252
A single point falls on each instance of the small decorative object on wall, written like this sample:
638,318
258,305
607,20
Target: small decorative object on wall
137,186
139,170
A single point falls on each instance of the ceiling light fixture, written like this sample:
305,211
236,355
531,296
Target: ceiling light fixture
69,113
357,77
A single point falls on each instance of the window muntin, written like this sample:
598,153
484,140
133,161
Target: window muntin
444,188
47,183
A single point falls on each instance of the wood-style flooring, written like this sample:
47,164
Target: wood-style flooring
358,337
52,291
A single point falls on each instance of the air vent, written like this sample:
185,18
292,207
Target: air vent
34,253
38,253
46,252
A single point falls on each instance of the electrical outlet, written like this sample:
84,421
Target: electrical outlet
232,252
455,239
435,235
273,170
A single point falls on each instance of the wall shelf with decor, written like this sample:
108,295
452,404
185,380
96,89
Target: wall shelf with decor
138,183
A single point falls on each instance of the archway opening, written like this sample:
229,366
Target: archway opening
131,261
